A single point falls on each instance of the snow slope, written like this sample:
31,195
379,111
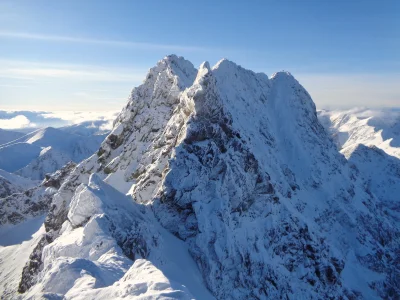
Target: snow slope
370,140
8,136
87,261
47,150
47,162
217,182
74,145
381,175
16,244
380,128
18,155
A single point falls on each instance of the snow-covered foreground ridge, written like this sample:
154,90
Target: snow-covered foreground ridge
217,182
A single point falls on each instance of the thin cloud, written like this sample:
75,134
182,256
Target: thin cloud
349,90
8,76
35,71
76,117
14,86
114,43
35,119
74,74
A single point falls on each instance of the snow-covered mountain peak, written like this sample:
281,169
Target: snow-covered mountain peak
233,168
282,75
176,67
286,81
226,65
204,95
45,133
202,71
205,65
235,126
227,68
161,113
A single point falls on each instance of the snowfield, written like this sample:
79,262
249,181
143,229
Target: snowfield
380,128
214,183
48,150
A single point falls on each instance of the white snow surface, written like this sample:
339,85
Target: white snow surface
220,182
47,150
16,244
48,161
87,263
380,128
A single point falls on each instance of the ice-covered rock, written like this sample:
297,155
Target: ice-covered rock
32,198
11,184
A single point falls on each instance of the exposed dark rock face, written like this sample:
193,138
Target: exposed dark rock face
20,206
32,267
6,188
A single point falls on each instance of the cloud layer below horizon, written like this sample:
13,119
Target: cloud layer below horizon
17,120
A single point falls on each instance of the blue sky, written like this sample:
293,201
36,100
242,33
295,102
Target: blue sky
88,55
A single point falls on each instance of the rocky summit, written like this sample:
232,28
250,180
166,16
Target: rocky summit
214,183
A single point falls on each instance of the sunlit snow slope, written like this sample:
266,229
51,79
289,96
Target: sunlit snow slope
380,128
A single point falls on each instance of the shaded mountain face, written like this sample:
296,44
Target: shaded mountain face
11,183
8,136
29,198
380,173
233,168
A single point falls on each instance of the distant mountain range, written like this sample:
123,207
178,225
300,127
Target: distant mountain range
380,128
47,150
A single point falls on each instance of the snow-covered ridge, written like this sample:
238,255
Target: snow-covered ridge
380,128
233,168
